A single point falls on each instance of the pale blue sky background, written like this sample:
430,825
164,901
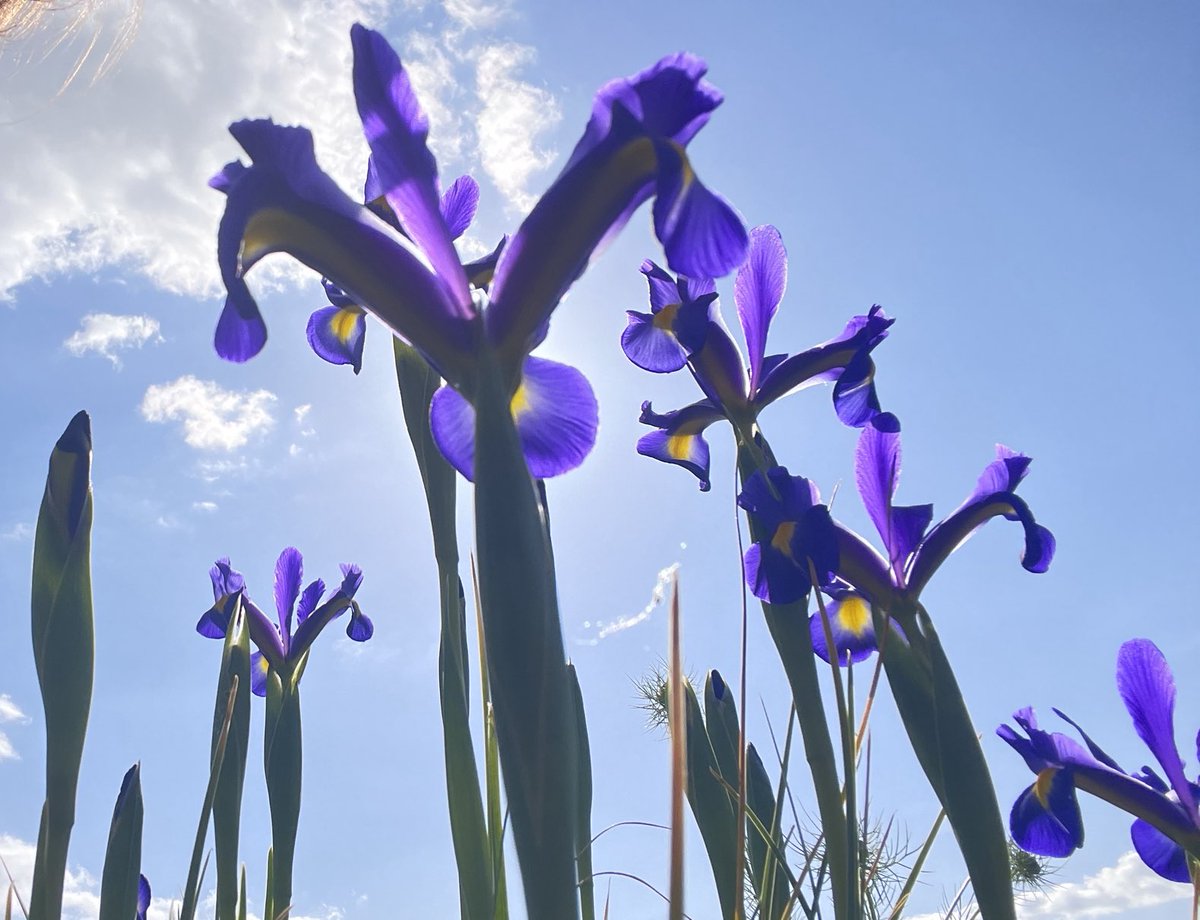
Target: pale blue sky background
1016,182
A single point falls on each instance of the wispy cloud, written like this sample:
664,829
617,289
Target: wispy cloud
116,172
19,532
514,117
9,712
1129,885
204,507
213,418
477,14
107,333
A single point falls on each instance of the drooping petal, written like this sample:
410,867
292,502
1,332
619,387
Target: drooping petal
701,233
554,410
228,175
1159,852
829,361
852,628
337,335
774,578
1045,819
214,622
680,438
360,628
396,130
626,153
651,344
309,600
259,669
977,510
285,203
854,398
289,573
1145,683
143,897
458,206
758,290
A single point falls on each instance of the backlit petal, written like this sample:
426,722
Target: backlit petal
758,290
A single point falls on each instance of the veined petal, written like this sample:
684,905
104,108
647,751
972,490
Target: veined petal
309,600
680,439
337,335
700,231
1159,852
956,529
653,346
396,131
284,203
289,572
1145,683
827,361
629,149
758,290
852,628
1045,819
718,368
553,408
352,578
458,206
225,579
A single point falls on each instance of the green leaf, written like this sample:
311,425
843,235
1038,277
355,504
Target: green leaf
282,756
63,649
227,803
123,858
712,808
721,723
526,662
767,868
473,851
583,811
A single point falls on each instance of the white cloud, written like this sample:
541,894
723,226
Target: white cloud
213,418
205,507
1114,889
514,116
116,171
10,711
20,532
106,333
477,14
432,65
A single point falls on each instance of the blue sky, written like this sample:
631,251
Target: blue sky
1014,182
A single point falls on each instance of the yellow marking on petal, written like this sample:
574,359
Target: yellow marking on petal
679,446
665,318
1041,786
520,402
782,540
344,322
854,615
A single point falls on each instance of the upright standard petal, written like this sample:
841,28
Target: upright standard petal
1146,685
309,600
289,573
396,130
458,205
284,203
877,474
553,408
758,290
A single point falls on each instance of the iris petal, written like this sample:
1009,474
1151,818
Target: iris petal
852,628
309,600
259,669
700,231
554,410
289,572
337,335
1145,683
1159,852
1053,827
458,205
758,290
360,628
143,897
650,346
396,130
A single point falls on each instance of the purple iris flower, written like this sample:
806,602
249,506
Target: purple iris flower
1045,818
684,328
850,624
914,551
411,278
143,898
337,332
800,537
282,646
